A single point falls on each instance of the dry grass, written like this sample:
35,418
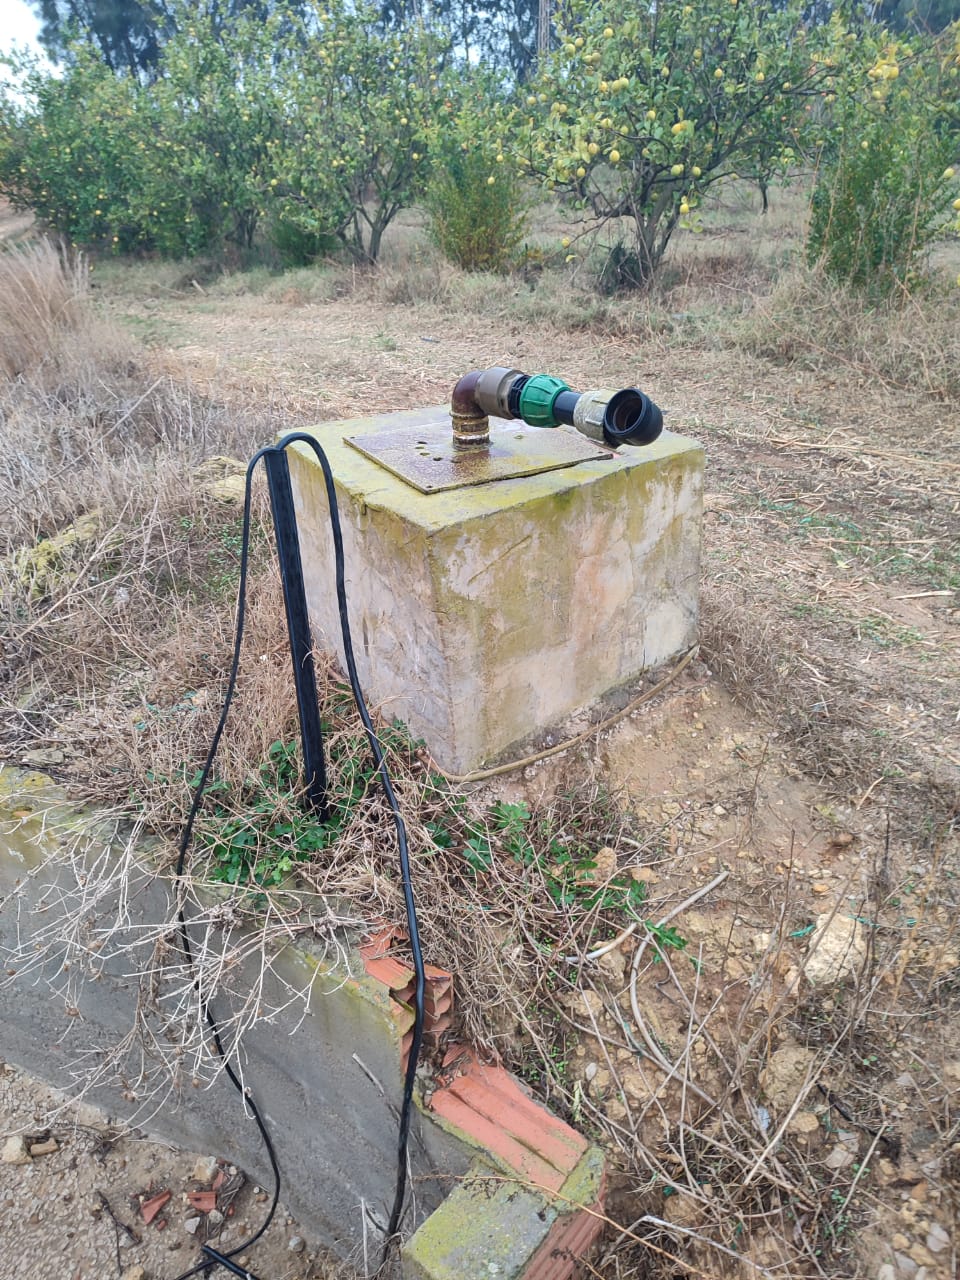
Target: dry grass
911,343
42,298
99,443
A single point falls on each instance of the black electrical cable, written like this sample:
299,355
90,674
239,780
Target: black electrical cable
214,1257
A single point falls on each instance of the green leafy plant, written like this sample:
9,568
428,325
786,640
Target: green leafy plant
885,184
477,212
361,105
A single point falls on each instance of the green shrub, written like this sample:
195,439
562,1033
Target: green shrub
477,218
883,194
295,245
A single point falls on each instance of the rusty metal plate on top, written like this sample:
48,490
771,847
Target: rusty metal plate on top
426,458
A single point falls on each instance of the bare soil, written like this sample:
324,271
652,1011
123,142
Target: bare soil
80,1208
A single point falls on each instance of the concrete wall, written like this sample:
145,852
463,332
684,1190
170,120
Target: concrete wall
328,1080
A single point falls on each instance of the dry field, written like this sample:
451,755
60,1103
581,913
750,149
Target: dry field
780,1093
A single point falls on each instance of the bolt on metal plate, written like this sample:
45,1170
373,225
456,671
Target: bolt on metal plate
426,457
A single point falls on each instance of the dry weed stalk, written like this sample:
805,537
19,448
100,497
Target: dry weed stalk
99,907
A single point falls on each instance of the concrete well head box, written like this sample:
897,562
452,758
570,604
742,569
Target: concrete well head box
486,608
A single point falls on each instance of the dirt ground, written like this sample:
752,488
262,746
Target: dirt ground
95,1201
810,756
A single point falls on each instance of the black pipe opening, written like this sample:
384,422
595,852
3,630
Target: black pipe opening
631,418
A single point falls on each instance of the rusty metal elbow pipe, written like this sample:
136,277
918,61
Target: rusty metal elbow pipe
471,425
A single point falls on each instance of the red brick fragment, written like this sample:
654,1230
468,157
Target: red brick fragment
203,1201
150,1208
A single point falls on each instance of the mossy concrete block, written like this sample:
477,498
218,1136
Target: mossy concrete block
494,1224
486,1227
483,615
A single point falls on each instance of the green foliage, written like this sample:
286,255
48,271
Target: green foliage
883,192
295,246
217,113
247,841
642,109
361,107
563,860
66,151
322,127
124,34
476,211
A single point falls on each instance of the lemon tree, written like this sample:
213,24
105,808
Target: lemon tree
362,106
642,108
64,149
205,128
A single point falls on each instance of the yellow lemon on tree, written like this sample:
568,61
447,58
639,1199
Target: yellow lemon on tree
608,33
651,114
581,172
676,170
592,148
718,74
614,156
684,207
696,171
949,173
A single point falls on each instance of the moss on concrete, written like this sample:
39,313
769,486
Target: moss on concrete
485,1228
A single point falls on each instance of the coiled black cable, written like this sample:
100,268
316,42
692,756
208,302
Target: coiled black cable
396,1213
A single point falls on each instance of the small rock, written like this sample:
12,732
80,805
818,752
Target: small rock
803,1123
15,1151
191,1225
613,966
838,1158
922,1256
785,1075
906,1267
44,1148
205,1170
589,1071
136,1272
900,1242
837,949
682,1209
215,1219
296,1244
937,1238
887,1272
